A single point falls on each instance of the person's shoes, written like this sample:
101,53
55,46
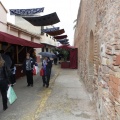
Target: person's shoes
5,108
43,85
47,86
28,85
31,85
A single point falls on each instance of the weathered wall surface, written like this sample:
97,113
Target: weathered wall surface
97,37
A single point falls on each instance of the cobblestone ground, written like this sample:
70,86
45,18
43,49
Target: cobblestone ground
66,98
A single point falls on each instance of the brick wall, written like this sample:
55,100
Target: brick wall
97,37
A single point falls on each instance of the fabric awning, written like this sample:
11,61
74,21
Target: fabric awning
63,40
26,12
65,43
48,44
5,37
50,29
46,20
60,37
58,32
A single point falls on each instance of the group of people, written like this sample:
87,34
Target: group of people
59,56
8,70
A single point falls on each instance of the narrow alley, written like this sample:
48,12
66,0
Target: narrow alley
80,39
66,98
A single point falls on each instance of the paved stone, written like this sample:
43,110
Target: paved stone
68,100
28,100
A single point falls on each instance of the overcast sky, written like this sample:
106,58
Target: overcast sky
66,10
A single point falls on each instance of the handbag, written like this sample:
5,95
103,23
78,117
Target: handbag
35,70
42,72
11,95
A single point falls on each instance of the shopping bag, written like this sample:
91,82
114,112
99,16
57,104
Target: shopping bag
42,72
11,95
35,70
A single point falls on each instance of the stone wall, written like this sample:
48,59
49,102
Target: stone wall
97,37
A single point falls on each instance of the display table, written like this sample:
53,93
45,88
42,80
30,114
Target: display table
65,64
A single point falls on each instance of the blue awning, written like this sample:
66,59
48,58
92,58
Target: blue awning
26,12
63,40
50,29
55,32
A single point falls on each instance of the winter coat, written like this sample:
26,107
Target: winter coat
7,60
31,63
4,74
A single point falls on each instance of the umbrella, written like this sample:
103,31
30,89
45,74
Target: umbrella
47,54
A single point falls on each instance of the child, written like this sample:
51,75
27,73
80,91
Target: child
13,78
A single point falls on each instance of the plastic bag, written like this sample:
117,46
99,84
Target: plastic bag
42,72
11,95
35,70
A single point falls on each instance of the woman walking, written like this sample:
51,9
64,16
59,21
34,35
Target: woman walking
3,82
28,69
44,63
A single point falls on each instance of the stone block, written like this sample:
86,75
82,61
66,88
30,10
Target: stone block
117,61
111,97
117,47
114,92
114,86
105,69
115,80
117,108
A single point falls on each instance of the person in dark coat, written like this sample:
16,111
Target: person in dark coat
44,63
13,77
56,58
48,71
49,61
28,69
3,82
6,58
47,65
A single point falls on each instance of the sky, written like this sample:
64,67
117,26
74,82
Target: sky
66,10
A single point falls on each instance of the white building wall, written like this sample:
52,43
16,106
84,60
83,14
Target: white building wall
3,18
19,21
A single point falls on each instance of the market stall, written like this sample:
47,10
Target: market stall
73,57
17,48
